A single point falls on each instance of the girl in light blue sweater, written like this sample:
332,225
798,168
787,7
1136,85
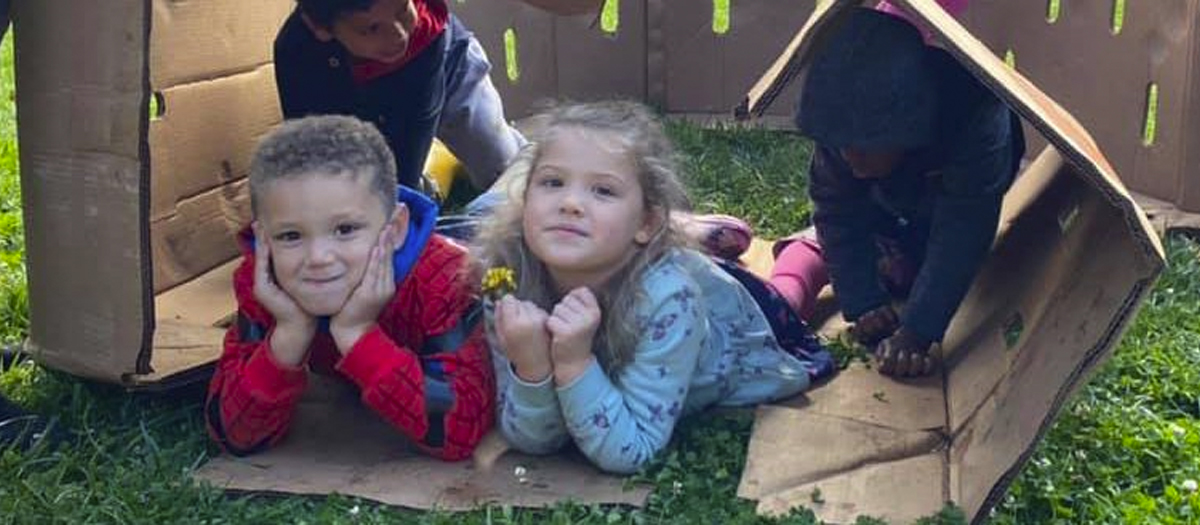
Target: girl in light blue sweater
616,329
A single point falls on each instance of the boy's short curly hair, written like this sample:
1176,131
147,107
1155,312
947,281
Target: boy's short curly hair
325,12
325,145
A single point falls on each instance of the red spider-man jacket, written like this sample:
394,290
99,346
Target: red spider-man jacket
425,368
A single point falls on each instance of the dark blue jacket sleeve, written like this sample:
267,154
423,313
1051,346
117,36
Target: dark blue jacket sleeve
846,219
966,211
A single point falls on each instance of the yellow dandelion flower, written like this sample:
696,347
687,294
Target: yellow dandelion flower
499,281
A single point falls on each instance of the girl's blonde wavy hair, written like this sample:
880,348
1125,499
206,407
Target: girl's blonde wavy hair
501,243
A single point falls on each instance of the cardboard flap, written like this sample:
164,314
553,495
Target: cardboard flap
337,445
1051,305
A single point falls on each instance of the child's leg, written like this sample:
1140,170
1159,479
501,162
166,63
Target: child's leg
473,124
791,332
723,236
799,272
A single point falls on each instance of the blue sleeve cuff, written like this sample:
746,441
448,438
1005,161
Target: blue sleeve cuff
525,393
578,397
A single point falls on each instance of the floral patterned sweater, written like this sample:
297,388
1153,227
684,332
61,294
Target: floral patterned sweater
704,342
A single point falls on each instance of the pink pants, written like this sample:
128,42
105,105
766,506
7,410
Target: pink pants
799,274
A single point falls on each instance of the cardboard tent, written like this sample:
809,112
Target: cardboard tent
1073,259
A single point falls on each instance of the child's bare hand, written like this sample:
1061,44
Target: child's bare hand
294,328
521,327
572,325
374,291
874,326
906,354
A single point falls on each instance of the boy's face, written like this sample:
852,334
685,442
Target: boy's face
321,229
380,33
867,164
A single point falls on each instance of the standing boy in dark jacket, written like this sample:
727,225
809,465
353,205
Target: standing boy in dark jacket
913,158
407,66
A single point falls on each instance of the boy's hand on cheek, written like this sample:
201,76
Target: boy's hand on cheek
374,291
294,328
521,327
572,325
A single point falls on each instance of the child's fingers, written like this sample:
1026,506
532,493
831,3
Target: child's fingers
262,267
530,311
503,309
382,275
585,297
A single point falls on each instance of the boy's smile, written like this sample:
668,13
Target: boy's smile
321,229
584,211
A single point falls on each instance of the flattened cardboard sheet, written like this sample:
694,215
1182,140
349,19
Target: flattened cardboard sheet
336,445
1073,259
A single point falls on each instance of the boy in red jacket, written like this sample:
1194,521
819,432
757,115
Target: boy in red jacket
343,275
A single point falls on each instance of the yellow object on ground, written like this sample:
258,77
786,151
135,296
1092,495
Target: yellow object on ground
443,167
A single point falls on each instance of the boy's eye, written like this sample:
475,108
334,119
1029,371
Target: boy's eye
287,237
605,191
344,230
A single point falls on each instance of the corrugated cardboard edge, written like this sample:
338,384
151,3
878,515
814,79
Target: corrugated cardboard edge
147,265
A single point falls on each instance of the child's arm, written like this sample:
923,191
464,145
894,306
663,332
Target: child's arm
530,419
253,392
622,425
442,394
443,401
251,396
845,217
964,221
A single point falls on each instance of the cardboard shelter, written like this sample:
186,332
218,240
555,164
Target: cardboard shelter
1073,259
134,149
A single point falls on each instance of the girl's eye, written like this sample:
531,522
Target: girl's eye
550,182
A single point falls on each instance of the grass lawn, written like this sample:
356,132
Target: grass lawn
1125,450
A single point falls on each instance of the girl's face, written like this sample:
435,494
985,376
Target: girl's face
584,215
